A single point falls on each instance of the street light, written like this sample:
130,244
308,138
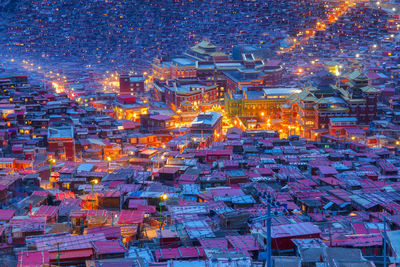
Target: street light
164,198
52,161
93,182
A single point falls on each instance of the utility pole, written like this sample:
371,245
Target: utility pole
384,241
269,248
270,203
58,253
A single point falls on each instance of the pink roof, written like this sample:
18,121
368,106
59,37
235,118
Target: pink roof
108,247
33,258
65,195
341,194
331,181
6,215
40,193
219,152
334,199
317,217
111,194
135,203
219,243
76,242
169,169
130,125
355,131
359,228
387,166
307,182
373,75
47,211
125,188
179,253
265,171
243,242
115,184
226,191
111,232
131,216
72,254
161,117
366,240
187,179
87,213
327,170
141,204
291,230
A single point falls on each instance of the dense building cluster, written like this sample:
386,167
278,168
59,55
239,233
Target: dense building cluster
128,33
79,186
200,133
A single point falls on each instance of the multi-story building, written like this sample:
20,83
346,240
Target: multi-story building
257,102
156,123
254,73
355,99
177,92
327,108
360,97
338,126
180,67
61,142
208,123
131,84
127,108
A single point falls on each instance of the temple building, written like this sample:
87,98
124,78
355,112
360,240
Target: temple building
177,92
257,103
314,110
205,50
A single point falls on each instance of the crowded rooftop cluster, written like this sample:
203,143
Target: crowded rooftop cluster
126,34
200,133
79,185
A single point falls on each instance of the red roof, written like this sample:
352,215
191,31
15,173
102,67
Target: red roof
243,242
130,125
265,171
187,179
87,213
219,243
33,258
68,243
72,254
169,169
6,215
108,247
115,184
219,152
110,232
291,230
40,193
365,240
131,216
226,191
179,253
327,170
111,194
65,195
136,203
331,181
161,117
47,211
